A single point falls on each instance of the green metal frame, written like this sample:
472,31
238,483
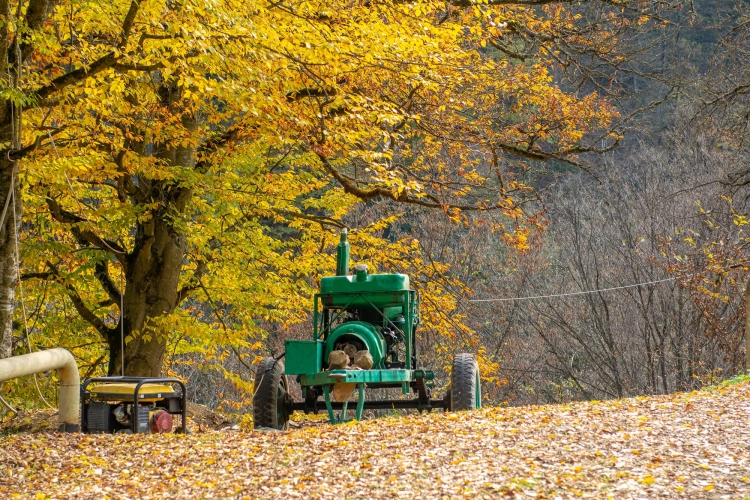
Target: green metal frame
377,292
342,418
371,378
478,392
376,296
322,327
410,310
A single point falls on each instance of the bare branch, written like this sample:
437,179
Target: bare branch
86,235
86,313
101,271
322,220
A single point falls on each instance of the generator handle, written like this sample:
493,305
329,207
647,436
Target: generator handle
140,381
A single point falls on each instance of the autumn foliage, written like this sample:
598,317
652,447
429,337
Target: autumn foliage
685,444
187,166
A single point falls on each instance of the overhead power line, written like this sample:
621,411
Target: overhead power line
533,297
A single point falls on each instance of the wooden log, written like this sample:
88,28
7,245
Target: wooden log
337,360
363,359
342,391
350,350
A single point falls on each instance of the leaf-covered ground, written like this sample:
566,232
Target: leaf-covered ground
694,445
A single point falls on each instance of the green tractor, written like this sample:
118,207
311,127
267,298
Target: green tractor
363,337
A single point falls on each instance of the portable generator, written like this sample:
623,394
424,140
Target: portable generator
132,405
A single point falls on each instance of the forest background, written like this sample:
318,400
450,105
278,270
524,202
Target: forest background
174,177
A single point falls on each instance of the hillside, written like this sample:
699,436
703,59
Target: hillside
696,444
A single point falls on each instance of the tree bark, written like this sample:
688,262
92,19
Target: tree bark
8,257
747,327
14,52
151,291
7,252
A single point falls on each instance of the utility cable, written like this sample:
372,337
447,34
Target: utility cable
80,203
585,292
7,405
104,242
16,131
20,293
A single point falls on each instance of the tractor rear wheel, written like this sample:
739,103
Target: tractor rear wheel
465,388
272,403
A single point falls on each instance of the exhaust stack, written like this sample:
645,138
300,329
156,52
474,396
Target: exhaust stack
342,256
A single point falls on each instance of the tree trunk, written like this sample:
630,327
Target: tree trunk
154,266
747,327
151,292
14,52
8,257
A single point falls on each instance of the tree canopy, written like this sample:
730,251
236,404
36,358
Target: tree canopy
186,167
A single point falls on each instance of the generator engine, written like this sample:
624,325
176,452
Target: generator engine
132,405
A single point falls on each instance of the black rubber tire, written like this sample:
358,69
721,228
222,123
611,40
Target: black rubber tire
466,390
272,403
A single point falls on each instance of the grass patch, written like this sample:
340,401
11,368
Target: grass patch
737,379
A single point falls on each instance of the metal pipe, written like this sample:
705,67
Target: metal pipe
342,256
70,384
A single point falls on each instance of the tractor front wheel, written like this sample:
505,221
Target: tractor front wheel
465,388
272,403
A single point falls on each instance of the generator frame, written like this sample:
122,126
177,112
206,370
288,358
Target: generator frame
87,396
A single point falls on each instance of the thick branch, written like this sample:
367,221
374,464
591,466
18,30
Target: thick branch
309,92
77,75
127,24
86,235
428,201
101,271
104,62
36,15
86,313
14,155
125,185
147,68
212,145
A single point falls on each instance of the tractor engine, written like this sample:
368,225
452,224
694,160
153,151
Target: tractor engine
363,338
353,337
